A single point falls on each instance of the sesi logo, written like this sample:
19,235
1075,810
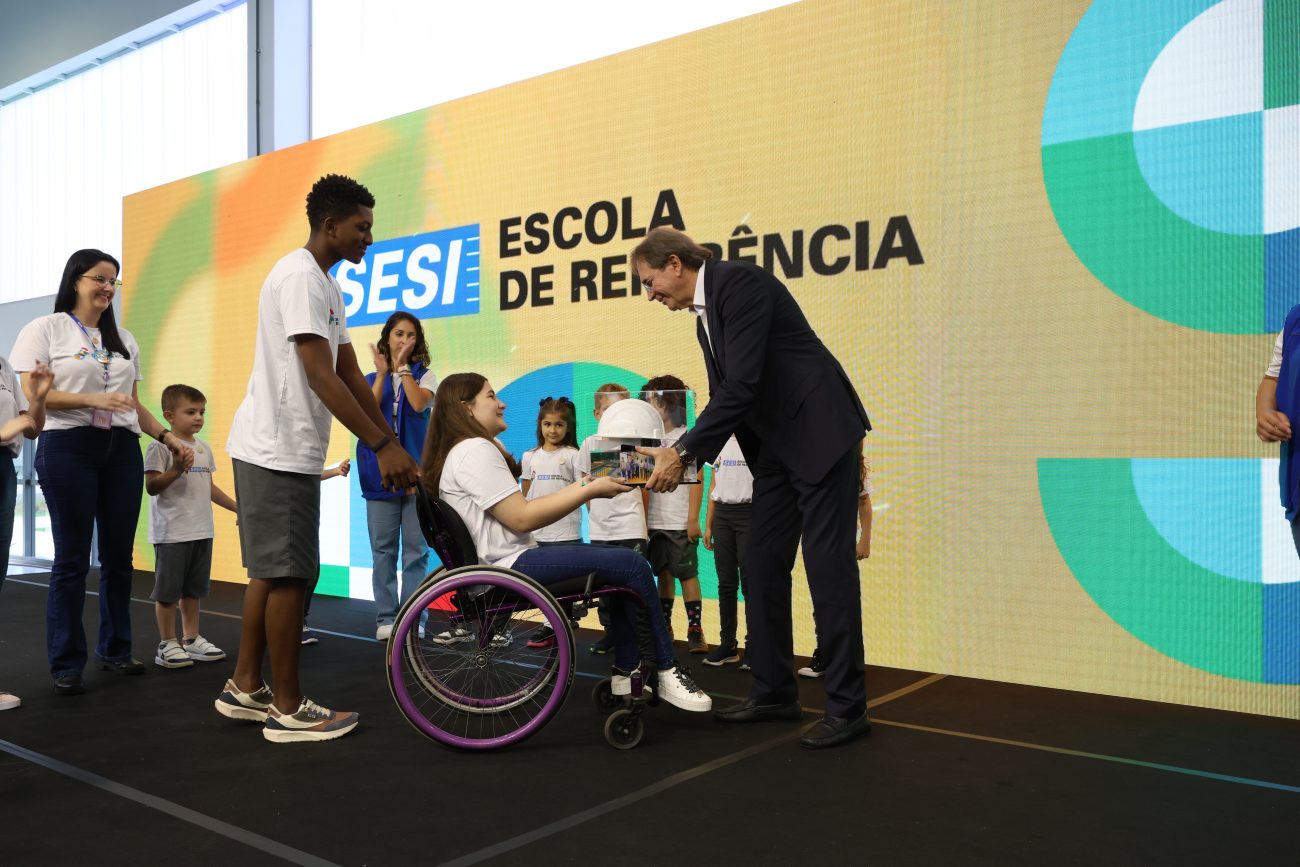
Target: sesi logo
429,276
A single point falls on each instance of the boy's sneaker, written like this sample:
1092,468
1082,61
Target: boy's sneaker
722,654
502,638
384,632
251,706
816,666
603,645
310,722
201,650
309,637
9,701
545,637
744,666
453,636
171,655
695,642
677,688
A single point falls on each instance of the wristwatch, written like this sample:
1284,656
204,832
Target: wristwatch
380,443
686,457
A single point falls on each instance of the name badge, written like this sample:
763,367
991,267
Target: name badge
102,419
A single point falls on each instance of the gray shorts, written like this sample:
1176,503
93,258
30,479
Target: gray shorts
279,521
182,570
672,552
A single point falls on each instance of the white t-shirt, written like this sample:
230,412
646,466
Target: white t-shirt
281,423
183,511
474,479
867,488
732,481
548,472
1275,363
12,402
670,511
58,341
616,518
428,382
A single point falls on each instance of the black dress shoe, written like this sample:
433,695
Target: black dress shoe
121,666
69,684
831,731
751,711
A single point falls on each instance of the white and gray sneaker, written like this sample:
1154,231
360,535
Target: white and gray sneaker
677,688
171,655
453,636
251,706
384,632
200,649
310,722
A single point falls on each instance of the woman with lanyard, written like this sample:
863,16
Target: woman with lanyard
403,387
88,461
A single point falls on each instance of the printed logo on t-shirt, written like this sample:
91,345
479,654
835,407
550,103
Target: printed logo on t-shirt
334,320
731,463
86,351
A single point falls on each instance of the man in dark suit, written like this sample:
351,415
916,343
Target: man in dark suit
800,423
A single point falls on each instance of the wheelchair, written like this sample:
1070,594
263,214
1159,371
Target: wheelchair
482,673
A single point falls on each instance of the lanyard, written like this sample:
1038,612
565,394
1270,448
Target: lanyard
99,353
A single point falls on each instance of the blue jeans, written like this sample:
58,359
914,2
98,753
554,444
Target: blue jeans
8,496
388,520
90,476
618,566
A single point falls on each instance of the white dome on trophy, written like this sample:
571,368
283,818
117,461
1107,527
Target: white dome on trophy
631,418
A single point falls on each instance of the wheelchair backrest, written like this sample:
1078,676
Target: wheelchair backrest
445,532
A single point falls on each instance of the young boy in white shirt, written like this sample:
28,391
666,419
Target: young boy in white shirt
673,520
182,492
618,520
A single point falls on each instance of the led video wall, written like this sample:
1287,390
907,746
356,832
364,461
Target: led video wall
1052,245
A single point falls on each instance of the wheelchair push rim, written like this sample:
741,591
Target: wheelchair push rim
482,688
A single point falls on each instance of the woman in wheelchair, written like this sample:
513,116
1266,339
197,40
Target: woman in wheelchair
468,468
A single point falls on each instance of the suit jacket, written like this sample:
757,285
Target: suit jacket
772,382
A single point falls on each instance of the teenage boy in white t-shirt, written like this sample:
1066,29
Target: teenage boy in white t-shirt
304,372
182,492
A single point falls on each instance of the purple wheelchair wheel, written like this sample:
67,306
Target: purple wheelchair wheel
472,681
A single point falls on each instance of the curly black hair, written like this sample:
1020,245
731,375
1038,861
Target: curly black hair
337,197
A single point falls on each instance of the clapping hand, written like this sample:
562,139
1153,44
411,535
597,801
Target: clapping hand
39,379
381,363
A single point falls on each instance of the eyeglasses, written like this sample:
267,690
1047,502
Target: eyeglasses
104,281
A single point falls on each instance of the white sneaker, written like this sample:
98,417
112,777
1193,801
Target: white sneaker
384,632
171,655
677,688
200,649
310,722
9,701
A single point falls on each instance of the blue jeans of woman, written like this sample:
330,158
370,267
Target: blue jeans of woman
393,523
90,477
8,496
620,567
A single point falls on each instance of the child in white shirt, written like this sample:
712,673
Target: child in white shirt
182,492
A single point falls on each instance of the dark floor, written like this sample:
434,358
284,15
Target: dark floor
957,771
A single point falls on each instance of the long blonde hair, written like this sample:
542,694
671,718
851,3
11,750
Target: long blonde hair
452,423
